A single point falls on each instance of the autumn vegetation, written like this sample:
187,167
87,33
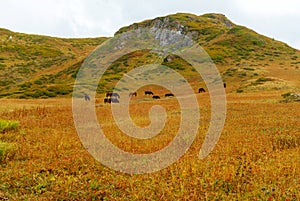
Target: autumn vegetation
256,158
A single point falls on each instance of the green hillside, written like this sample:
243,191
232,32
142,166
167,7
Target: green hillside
33,66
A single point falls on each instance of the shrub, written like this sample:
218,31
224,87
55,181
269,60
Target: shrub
263,79
289,97
7,151
25,85
249,69
242,74
58,90
38,82
282,142
286,95
8,125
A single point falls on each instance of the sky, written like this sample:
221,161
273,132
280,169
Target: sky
277,19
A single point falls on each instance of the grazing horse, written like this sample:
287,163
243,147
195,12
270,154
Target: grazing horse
148,93
86,97
107,100
155,97
201,90
111,100
114,100
115,95
108,94
169,95
132,94
111,94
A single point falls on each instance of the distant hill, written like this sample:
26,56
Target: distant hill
33,66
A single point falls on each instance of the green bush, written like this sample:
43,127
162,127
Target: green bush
249,69
6,125
38,82
25,85
286,95
7,151
263,79
59,89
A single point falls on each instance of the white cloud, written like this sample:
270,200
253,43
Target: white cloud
90,18
269,7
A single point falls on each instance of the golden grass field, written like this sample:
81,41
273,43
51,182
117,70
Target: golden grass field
256,158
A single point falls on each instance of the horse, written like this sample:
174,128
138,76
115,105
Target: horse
201,90
87,97
115,95
108,94
169,95
132,94
111,100
148,93
155,97
224,84
114,100
111,94
107,100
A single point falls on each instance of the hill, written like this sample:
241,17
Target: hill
33,66
247,60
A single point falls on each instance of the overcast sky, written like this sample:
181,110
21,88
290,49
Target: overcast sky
277,19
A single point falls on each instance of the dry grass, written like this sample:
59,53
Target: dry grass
51,163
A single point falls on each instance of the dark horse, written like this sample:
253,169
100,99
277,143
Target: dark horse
155,97
111,94
148,93
224,84
114,100
111,100
169,95
201,90
87,97
107,100
132,94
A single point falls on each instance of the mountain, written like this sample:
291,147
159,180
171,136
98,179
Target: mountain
33,66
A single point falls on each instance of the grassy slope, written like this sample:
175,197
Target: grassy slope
29,64
257,152
40,66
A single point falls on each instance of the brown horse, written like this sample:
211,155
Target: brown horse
111,100
148,93
108,94
132,94
107,100
169,95
201,90
111,94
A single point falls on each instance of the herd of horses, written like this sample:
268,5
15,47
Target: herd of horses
112,97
